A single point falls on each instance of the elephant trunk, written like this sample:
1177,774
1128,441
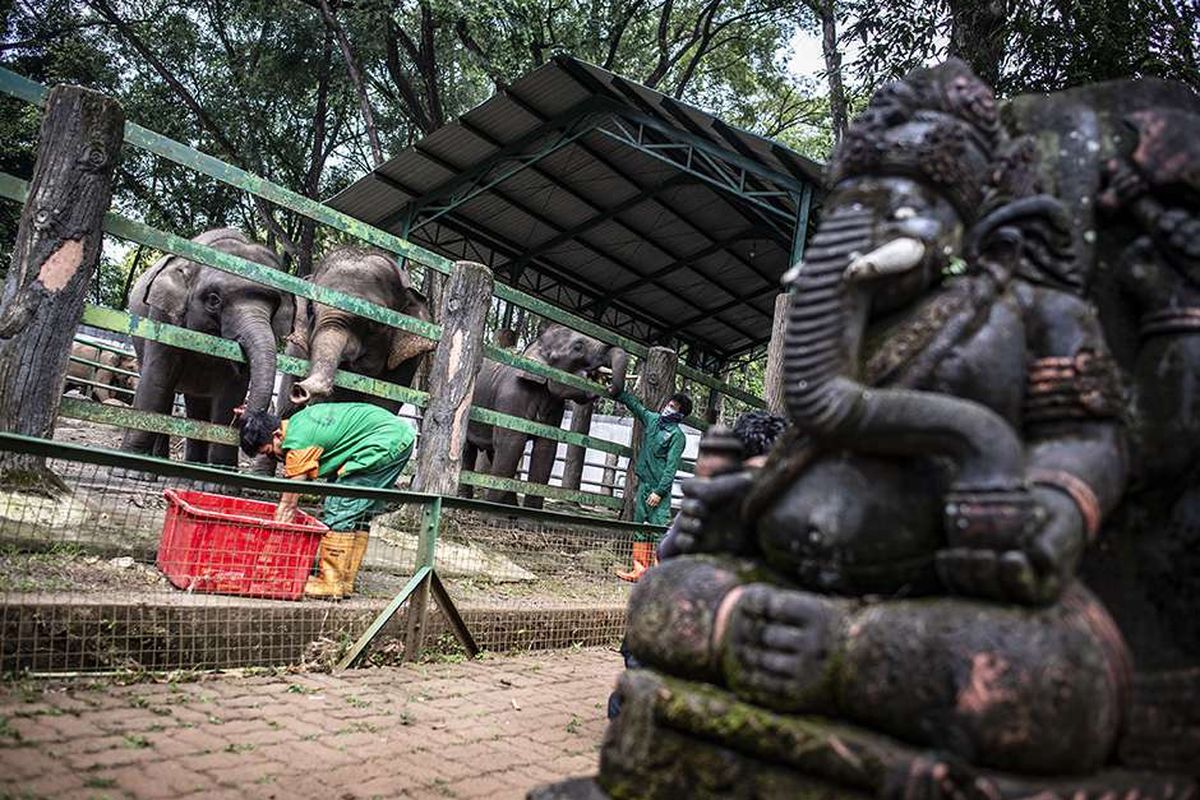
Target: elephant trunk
251,328
325,352
618,361
826,317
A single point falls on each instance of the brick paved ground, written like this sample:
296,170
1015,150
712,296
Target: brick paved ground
490,728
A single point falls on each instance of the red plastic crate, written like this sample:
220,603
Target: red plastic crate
227,545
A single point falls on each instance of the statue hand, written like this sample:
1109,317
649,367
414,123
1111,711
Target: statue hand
709,518
1029,572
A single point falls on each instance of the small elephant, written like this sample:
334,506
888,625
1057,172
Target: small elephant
117,387
184,293
335,339
533,397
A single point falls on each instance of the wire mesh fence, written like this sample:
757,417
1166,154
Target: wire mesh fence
109,562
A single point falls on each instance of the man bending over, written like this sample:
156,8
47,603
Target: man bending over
353,444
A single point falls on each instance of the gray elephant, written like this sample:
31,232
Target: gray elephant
116,386
184,293
533,397
335,339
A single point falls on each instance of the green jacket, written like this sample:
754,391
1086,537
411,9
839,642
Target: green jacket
343,438
661,451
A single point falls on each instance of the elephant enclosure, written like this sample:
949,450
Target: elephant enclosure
80,589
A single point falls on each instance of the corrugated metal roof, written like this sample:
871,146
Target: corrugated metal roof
608,199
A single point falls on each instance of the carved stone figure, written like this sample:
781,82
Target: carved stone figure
501,387
893,605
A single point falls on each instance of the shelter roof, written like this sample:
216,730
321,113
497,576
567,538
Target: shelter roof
610,200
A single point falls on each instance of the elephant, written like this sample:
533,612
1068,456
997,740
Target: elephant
182,292
513,391
123,386
336,339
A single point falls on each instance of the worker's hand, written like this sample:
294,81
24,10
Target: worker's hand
653,500
285,512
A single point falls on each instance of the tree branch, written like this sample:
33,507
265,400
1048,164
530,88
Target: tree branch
356,79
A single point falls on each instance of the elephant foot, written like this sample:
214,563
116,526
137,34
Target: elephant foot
777,645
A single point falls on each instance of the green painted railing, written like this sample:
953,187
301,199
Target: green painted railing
35,93
122,322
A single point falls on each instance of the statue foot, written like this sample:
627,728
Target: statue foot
776,647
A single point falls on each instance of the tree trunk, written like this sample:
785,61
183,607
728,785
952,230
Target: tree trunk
838,112
356,80
56,252
977,35
656,382
581,422
609,477
456,363
773,380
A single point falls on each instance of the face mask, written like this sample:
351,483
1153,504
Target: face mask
667,417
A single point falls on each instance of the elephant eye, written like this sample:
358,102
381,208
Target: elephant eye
904,212
212,300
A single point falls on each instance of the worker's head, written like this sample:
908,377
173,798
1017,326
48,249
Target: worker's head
678,406
261,434
757,431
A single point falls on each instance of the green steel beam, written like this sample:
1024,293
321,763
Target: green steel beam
142,327
359,647
469,478
126,417
102,365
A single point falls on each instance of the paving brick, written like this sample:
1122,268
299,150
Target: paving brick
492,729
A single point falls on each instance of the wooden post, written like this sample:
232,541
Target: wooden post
773,380
456,362
56,252
609,476
656,382
712,411
581,422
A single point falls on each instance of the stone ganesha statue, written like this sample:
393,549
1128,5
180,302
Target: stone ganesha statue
892,607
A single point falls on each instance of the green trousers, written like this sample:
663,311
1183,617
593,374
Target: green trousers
659,515
354,513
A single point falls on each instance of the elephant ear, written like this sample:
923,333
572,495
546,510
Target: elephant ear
408,345
534,353
165,288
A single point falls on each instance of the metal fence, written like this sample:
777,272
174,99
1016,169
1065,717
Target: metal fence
111,567
85,586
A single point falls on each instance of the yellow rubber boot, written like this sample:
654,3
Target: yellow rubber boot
358,551
333,563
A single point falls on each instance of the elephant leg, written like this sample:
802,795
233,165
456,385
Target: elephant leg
162,445
509,449
541,465
223,455
198,409
155,393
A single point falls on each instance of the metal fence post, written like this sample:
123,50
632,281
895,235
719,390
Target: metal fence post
418,607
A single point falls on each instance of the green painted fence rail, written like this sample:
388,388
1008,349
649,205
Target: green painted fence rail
88,454
126,417
17,190
483,481
35,93
123,322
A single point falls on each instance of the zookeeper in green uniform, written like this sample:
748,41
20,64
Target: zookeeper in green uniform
353,444
657,462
